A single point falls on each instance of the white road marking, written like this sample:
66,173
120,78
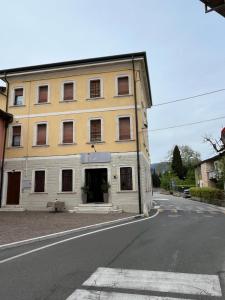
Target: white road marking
74,238
98,295
183,283
62,233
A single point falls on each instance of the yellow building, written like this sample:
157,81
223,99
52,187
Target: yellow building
79,135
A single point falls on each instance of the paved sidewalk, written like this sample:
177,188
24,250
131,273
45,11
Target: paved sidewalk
17,226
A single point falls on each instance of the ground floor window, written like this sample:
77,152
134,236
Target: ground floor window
67,180
39,181
126,180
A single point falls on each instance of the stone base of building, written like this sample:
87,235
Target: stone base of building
126,201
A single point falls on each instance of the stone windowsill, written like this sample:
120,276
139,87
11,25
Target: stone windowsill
124,141
21,105
42,103
38,193
95,98
42,146
68,101
14,147
119,96
95,142
67,193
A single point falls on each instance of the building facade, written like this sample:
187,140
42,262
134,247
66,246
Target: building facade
75,137
209,172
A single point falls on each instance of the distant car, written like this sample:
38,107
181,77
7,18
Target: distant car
186,194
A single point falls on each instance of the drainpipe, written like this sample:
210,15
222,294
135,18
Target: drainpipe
4,145
137,140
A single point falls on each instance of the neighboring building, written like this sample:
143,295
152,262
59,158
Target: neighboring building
208,171
75,126
5,119
215,5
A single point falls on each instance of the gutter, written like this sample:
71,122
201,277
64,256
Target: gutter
4,145
137,140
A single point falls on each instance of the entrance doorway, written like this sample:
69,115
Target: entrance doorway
13,189
94,178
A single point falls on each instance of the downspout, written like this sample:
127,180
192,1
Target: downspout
137,140
4,145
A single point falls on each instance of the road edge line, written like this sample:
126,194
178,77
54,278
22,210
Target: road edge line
65,232
76,237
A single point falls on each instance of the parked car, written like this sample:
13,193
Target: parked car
186,193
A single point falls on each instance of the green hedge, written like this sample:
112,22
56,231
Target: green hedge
209,195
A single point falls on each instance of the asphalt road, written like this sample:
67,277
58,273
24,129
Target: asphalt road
138,260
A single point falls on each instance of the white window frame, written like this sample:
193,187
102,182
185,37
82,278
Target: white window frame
129,84
61,132
37,93
89,130
33,181
13,95
89,88
60,180
62,90
35,134
133,179
10,135
131,128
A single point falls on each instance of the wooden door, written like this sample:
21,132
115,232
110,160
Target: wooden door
13,190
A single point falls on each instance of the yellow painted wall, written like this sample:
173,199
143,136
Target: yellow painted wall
81,78
2,102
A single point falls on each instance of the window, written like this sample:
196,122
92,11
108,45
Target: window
18,96
95,131
124,128
67,132
43,94
126,183
67,180
68,91
39,181
16,136
123,85
41,134
95,88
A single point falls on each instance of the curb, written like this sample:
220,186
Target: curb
66,232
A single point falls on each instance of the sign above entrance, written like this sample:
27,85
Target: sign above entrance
95,157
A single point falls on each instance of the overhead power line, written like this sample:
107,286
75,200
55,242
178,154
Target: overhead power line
189,98
186,124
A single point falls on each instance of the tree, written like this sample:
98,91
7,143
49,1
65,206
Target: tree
177,165
189,156
218,145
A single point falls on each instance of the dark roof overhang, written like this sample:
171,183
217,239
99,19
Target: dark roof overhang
215,5
81,62
6,116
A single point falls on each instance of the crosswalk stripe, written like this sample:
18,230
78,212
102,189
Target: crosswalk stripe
98,295
183,283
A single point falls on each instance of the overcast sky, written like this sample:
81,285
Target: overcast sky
185,49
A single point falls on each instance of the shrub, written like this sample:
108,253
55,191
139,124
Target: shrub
207,194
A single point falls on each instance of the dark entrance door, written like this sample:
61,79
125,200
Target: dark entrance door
13,190
94,179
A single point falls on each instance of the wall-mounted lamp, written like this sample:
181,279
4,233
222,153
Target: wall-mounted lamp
93,146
